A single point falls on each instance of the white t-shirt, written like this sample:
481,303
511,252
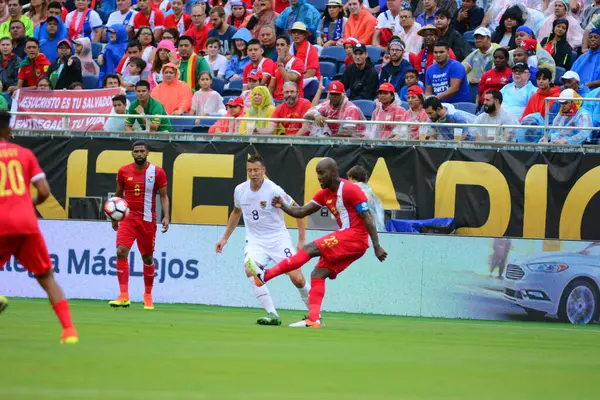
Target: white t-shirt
386,20
116,18
94,19
264,223
218,66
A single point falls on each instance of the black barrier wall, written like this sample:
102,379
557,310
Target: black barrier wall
489,192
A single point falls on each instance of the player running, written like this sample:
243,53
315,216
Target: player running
139,181
267,238
19,231
338,250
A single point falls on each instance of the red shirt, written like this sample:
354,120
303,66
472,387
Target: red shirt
33,71
183,24
18,169
156,20
280,5
298,111
292,65
309,56
265,65
493,80
199,36
140,188
416,59
346,205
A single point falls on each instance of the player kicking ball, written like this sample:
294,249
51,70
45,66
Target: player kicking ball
139,182
19,231
267,238
338,250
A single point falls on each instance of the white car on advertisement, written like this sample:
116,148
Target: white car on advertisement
565,284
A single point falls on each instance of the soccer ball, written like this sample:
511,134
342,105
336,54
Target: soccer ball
116,209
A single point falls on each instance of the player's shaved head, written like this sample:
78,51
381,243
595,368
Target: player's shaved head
5,130
327,173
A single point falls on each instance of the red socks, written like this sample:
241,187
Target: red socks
315,298
148,277
287,265
123,276
62,312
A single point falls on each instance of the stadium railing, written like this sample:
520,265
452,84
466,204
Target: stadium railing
315,139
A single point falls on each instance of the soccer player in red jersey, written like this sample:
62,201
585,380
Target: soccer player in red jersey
338,250
139,182
19,231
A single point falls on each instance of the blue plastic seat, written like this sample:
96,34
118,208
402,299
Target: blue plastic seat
466,107
218,85
327,69
320,5
235,84
310,90
559,73
374,53
366,106
90,82
96,49
183,125
333,53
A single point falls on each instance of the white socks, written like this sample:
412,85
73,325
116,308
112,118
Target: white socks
304,295
263,295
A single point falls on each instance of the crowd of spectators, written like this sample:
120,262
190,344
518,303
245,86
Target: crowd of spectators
453,61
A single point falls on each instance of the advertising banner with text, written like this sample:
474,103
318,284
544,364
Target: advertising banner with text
424,275
98,101
488,192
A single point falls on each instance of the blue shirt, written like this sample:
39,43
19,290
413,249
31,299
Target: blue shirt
588,66
397,79
226,39
429,21
440,78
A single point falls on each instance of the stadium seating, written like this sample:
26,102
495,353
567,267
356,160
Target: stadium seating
473,91
327,69
96,49
336,54
236,84
559,73
467,107
218,85
405,105
90,82
310,90
226,99
366,106
374,53
378,68
320,5
183,125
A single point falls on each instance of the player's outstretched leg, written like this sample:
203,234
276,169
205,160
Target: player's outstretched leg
289,264
3,303
315,299
123,277
148,281
264,297
60,306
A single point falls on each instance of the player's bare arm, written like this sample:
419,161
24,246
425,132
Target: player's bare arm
380,253
301,233
118,193
232,223
165,204
295,210
43,191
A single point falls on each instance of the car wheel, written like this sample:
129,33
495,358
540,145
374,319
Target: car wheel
579,303
534,314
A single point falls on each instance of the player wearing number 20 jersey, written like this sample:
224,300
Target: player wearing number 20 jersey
19,231
267,238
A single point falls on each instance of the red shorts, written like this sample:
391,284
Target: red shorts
30,251
340,249
131,230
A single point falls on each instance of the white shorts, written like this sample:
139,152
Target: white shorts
264,255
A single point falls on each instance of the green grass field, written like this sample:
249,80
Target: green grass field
194,352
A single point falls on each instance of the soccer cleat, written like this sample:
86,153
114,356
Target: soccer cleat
69,336
307,323
148,305
258,271
269,319
121,301
3,303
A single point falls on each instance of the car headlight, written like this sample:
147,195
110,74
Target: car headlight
547,267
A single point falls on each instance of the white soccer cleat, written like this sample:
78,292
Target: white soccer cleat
258,271
307,323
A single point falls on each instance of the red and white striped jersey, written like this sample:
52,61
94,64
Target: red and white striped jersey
140,188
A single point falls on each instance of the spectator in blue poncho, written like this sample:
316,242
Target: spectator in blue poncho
50,33
114,50
299,11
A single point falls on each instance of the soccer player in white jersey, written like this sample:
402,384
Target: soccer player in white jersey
267,238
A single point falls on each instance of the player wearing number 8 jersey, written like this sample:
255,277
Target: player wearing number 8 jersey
19,231
139,181
338,250
267,238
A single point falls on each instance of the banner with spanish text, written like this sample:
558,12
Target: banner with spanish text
97,101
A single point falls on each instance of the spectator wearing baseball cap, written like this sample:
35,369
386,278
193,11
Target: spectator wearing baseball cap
66,69
482,59
235,109
361,77
299,11
415,112
361,23
394,71
516,95
571,80
447,79
387,110
336,107
348,45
